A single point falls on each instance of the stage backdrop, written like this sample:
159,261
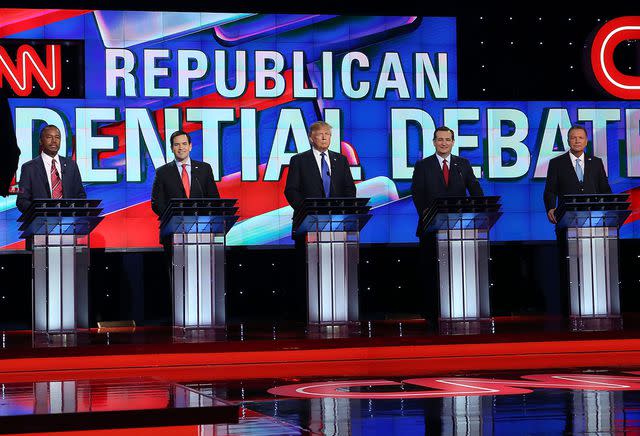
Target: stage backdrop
248,86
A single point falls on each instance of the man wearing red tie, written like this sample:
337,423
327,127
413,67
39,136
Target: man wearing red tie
49,175
182,177
442,174
439,175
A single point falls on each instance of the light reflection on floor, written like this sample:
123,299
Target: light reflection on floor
543,411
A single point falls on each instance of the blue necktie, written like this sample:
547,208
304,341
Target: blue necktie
579,172
326,178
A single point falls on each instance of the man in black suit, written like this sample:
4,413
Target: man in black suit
318,172
439,175
182,177
570,173
315,173
573,173
49,175
442,174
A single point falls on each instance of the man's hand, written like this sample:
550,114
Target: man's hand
551,216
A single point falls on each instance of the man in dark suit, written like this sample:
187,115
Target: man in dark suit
570,173
442,174
318,172
182,177
439,175
574,173
49,175
315,173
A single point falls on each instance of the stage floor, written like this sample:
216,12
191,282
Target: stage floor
514,376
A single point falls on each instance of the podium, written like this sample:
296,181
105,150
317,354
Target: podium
461,226
592,222
195,229
331,230
58,233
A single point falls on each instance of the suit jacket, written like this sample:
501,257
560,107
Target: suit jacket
167,184
304,179
562,179
34,183
428,182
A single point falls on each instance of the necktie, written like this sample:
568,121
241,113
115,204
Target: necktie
56,183
445,172
326,178
185,180
579,172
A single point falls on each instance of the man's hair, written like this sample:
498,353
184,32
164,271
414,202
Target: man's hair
319,125
48,126
444,129
577,127
178,133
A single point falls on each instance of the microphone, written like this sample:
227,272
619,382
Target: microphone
194,177
333,189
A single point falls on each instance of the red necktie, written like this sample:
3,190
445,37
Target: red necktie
185,180
56,183
445,172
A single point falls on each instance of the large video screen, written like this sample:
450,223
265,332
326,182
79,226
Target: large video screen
248,86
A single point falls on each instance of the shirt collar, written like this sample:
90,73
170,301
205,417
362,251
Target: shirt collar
47,159
574,159
187,161
440,158
317,152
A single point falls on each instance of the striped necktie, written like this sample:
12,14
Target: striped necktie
56,183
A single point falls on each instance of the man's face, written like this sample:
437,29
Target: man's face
577,141
50,141
321,138
443,142
181,147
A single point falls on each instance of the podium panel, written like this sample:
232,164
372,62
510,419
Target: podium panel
58,233
331,229
196,230
60,283
461,226
463,270
592,222
197,271
332,271
593,271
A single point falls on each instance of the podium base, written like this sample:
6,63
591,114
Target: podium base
595,324
454,326
333,330
44,339
199,334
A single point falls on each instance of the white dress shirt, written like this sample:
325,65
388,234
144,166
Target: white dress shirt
187,161
316,154
441,160
573,162
47,168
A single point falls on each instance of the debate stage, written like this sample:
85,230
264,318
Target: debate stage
233,380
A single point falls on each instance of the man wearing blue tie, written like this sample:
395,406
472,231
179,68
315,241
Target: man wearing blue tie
570,173
318,172
574,173
315,173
